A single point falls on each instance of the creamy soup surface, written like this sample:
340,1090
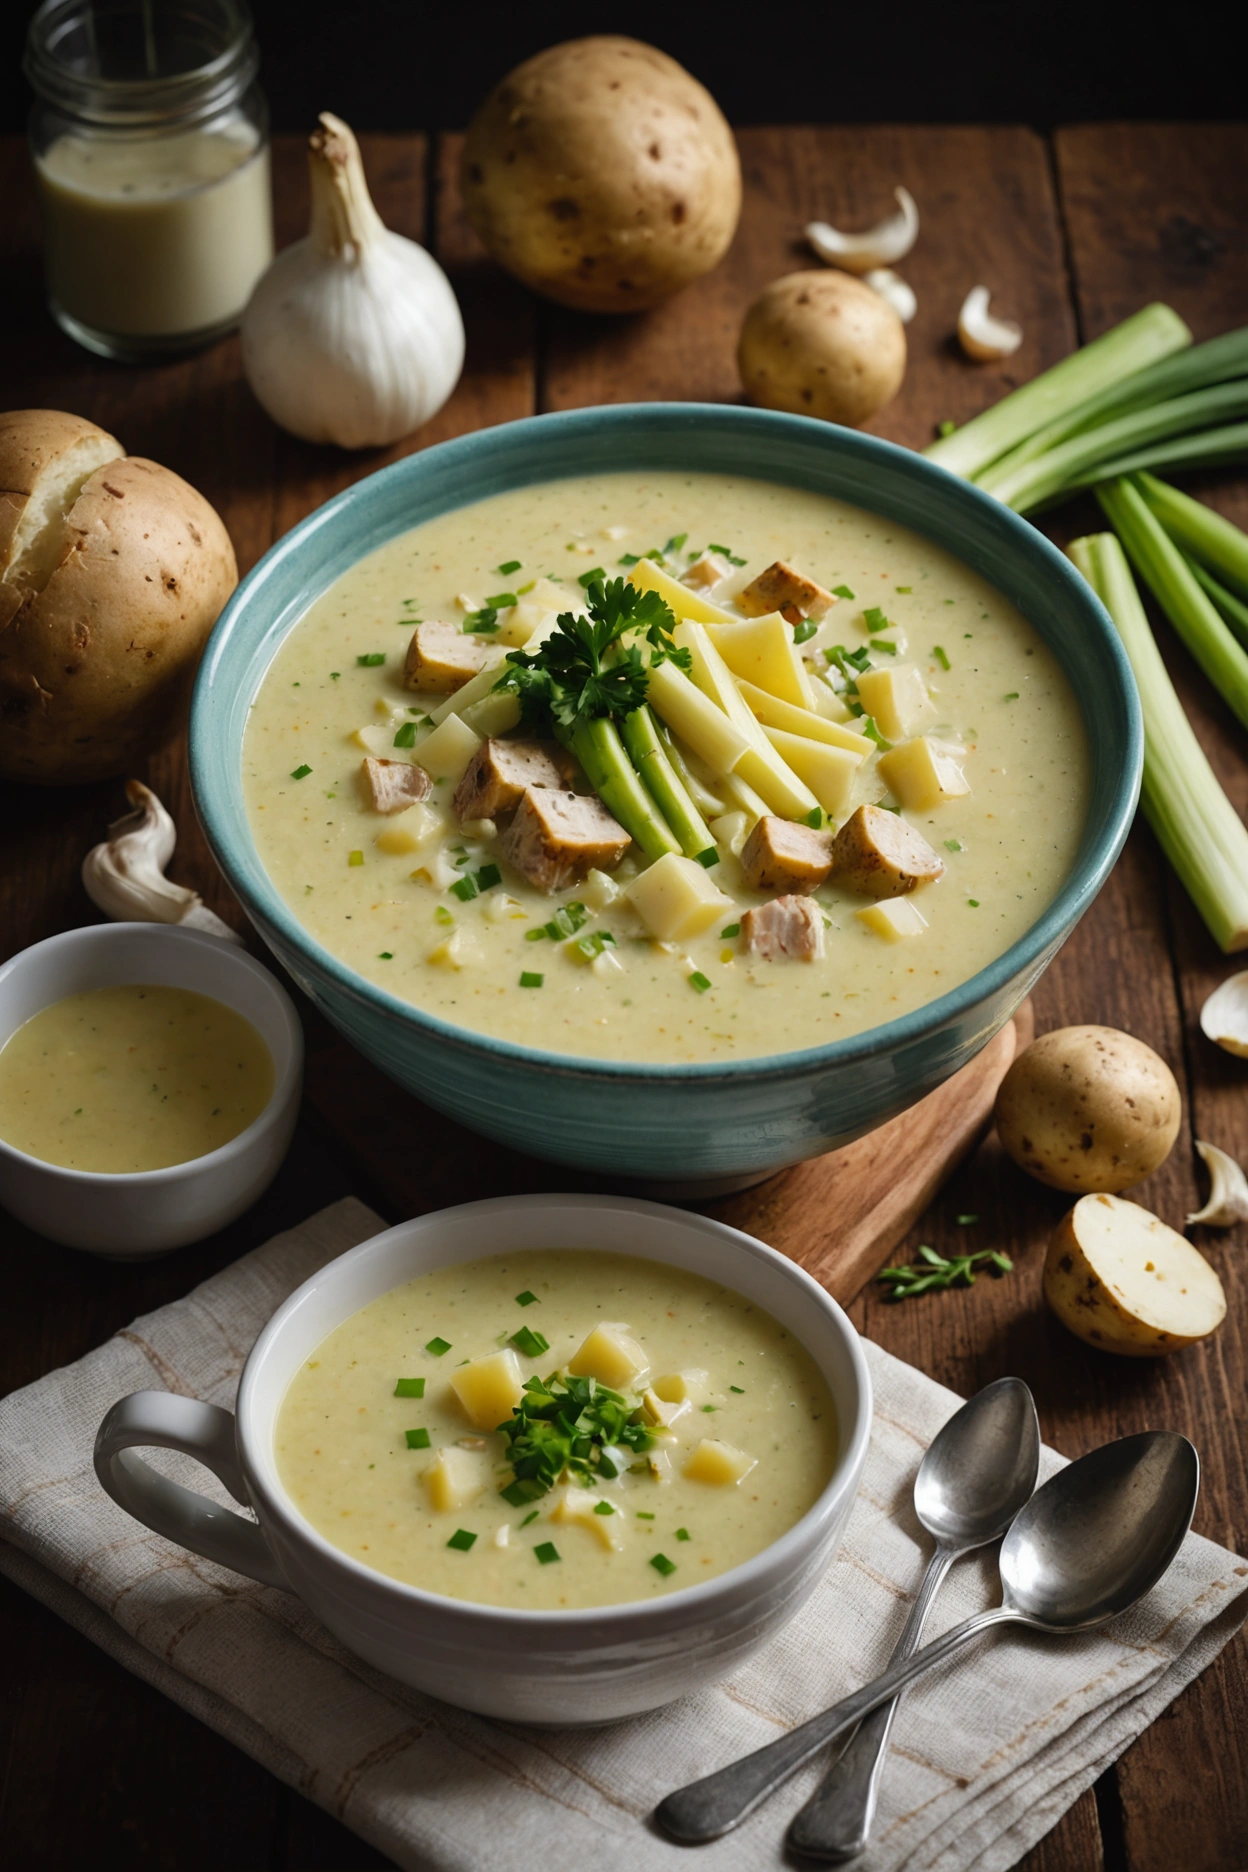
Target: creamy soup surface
132,1078
369,1469
385,893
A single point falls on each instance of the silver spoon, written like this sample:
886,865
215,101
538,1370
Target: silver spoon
1087,1546
979,1470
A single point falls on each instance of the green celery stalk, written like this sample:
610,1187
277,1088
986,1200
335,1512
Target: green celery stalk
1232,608
598,747
1165,571
1150,334
1202,533
1194,823
1053,472
641,740
1208,448
1196,368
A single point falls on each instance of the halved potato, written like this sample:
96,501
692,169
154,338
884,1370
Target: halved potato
1124,1281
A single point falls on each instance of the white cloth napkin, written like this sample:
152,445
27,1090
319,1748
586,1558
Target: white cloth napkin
987,1753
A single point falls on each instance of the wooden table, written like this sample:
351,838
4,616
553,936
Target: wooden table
1071,234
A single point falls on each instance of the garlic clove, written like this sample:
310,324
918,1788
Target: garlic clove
1224,1017
891,239
981,336
125,876
892,287
1228,1190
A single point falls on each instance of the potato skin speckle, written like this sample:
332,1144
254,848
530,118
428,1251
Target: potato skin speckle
1088,1109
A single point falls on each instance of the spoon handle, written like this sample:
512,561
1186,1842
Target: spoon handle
705,1809
836,1821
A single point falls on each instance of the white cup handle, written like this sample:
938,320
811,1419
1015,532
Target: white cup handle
162,1420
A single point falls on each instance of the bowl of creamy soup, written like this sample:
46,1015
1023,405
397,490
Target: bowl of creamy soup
149,1086
557,1459
671,791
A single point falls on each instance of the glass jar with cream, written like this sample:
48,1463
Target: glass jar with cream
150,142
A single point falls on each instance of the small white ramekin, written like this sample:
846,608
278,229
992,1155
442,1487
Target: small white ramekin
144,1212
586,1666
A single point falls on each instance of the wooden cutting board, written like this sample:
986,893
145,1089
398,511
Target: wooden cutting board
839,1216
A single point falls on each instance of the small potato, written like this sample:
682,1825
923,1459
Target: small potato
822,344
1088,1108
1122,1280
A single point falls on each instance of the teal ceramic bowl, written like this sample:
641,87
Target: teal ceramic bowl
685,1126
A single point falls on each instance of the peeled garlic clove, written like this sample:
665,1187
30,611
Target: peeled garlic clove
1224,1017
125,876
1228,1190
983,337
891,239
892,287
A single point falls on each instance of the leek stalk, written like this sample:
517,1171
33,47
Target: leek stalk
1208,448
1232,608
640,736
1205,535
1166,573
598,747
1194,822
1148,336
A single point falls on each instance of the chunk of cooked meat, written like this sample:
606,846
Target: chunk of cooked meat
784,930
394,785
709,570
878,855
557,838
499,773
780,588
782,856
442,658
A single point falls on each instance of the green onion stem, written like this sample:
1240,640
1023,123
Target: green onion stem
640,736
1050,473
598,747
1148,336
1164,570
1194,822
1233,609
1192,369
1205,535
1208,448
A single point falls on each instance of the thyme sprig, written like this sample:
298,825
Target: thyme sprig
935,1272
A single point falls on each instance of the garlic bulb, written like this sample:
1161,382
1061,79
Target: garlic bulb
353,335
125,877
1228,1190
890,240
1224,1017
898,292
982,337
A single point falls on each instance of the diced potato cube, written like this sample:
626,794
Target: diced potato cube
677,899
599,890
731,830
896,699
657,1410
447,751
611,1355
578,1507
456,1477
489,1388
827,702
647,576
708,571
456,951
718,1463
893,918
376,738
417,826
764,653
921,775
682,1387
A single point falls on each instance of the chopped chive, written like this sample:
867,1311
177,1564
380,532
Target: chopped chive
814,818
730,555
682,1533
335,675
465,888
885,643
629,559
643,1516
528,980
707,858
965,1221
406,736
385,955
461,1540
373,660
803,632
974,902
662,1564
410,1387
417,1439
603,1507
739,1389
730,929
567,919
501,601
874,619
954,845
546,1552
532,1344
586,579
442,915
438,1346
676,542
527,1299
710,1407
531,1516
699,981
535,935
482,623
903,588
1011,697
841,591
509,566
487,877
300,773
355,858
873,734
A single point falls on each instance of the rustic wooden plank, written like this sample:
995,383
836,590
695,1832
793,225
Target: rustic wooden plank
1160,212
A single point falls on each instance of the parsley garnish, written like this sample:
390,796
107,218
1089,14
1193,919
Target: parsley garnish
509,566
301,773
406,736
461,1540
567,1425
940,656
662,1564
438,1347
583,671
935,1273
805,630
527,1299
730,556
410,1387
417,1439
532,1344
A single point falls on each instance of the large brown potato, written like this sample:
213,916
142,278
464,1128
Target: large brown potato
1089,1108
112,573
603,175
822,344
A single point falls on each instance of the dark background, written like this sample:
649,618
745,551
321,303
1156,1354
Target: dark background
405,64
